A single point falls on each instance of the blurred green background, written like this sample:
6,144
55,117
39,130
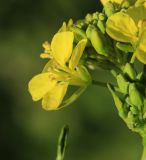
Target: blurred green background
27,132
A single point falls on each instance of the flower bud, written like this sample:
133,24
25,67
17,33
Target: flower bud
122,83
124,47
101,26
129,71
135,96
109,9
97,39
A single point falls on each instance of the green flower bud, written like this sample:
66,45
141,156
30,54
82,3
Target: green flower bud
124,47
135,96
131,120
122,83
89,17
81,24
125,4
134,110
96,15
101,17
101,26
109,9
128,101
97,39
129,71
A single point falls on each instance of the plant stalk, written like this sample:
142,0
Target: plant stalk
144,149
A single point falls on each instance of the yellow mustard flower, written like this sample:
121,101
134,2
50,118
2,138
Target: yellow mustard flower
60,72
130,27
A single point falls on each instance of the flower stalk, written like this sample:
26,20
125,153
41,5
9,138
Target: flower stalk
62,142
144,149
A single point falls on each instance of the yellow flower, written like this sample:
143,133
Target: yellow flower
60,72
130,27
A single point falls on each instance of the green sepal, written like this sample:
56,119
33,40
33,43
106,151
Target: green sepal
73,97
122,83
124,47
117,100
62,143
135,96
129,71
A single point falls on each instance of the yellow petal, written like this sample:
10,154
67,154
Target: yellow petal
77,53
137,13
53,99
121,27
141,49
61,46
141,55
114,1
40,85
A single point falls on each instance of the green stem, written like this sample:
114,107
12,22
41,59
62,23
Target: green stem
144,149
103,84
98,83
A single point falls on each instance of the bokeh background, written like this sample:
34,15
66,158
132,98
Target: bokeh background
27,132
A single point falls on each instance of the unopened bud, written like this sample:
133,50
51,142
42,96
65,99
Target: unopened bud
129,71
122,83
135,96
109,9
97,39
124,47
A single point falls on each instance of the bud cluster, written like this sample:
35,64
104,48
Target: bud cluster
113,49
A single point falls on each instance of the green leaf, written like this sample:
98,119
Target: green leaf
62,143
